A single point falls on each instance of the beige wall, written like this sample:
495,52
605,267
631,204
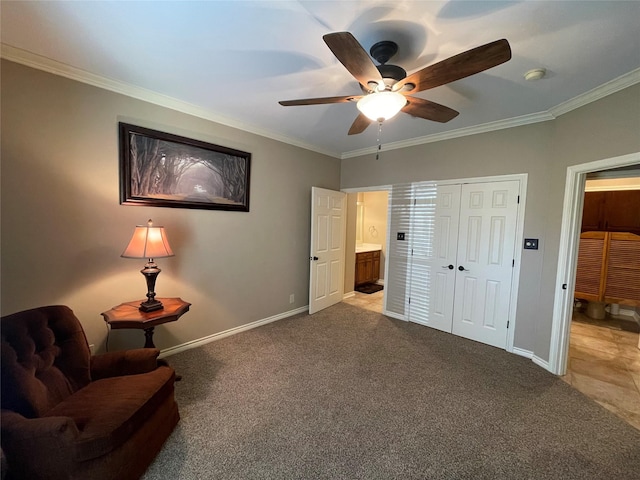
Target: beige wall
603,129
63,229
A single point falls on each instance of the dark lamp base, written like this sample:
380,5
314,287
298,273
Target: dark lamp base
151,306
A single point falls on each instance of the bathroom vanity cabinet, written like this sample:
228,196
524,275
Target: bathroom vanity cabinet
367,267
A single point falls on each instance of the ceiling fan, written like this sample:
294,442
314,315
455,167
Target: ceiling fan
386,88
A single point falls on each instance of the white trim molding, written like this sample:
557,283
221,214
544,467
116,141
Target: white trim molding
39,62
387,313
597,93
522,352
541,363
568,253
460,132
232,331
45,64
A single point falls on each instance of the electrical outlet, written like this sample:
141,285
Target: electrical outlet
292,298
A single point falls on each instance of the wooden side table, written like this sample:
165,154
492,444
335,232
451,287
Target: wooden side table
127,315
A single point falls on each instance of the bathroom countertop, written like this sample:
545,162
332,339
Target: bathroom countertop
368,247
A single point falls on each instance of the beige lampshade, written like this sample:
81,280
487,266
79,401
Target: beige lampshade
148,241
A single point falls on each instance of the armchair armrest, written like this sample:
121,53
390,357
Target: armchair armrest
38,447
125,362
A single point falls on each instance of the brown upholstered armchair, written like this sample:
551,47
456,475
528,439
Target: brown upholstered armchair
69,415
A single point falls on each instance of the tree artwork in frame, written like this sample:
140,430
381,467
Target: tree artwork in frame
165,170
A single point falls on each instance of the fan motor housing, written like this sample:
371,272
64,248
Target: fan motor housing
383,51
393,73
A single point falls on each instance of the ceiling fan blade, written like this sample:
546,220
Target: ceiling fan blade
320,101
419,107
355,59
459,66
360,124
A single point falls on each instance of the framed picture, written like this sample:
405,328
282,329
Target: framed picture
165,170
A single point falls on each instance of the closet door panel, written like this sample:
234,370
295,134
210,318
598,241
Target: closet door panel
442,262
434,235
486,245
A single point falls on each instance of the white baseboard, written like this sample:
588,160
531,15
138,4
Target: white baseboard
542,363
232,331
522,352
394,315
380,281
348,295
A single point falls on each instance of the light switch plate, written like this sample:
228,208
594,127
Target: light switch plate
531,244
400,236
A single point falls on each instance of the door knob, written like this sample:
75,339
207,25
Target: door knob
313,258
462,269
450,267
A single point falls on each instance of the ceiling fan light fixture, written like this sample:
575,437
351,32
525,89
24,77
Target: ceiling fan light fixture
381,106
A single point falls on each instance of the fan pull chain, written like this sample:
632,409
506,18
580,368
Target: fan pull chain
379,143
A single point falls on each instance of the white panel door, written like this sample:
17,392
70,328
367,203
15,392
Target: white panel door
442,264
328,220
434,237
486,247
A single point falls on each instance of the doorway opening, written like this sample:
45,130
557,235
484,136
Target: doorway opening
568,253
607,289
604,342
366,247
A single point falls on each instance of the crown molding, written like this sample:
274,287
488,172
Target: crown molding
45,64
48,65
461,132
613,86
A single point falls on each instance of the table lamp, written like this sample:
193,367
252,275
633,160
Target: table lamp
149,241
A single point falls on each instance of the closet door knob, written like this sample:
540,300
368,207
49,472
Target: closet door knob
462,269
450,267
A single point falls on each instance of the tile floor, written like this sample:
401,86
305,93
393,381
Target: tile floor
369,301
604,360
604,364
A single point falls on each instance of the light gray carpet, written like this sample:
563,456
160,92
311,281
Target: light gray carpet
347,393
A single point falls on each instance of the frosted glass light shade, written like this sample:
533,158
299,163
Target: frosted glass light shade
381,105
148,241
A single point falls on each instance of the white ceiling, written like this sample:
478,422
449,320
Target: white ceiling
231,61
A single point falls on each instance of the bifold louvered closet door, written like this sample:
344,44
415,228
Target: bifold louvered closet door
453,270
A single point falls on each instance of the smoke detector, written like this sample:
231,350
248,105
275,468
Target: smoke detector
535,74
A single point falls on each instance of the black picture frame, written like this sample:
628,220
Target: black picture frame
161,169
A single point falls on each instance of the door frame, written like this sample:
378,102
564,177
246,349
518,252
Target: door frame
568,254
380,188
517,254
